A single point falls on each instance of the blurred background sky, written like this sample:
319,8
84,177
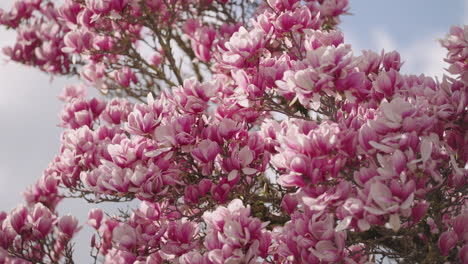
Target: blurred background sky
29,108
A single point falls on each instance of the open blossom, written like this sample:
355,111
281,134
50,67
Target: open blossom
42,220
234,227
206,151
460,226
180,237
324,245
93,73
95,217
78,41
81,112
193,97
98,6
117,111
446,242
456,43
298,19
125,76
243,48
68,225
202,39
72,91
124,236
142,120
45,191
18,219
309,156
107,179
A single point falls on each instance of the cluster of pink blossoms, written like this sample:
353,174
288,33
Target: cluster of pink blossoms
24,231
295,151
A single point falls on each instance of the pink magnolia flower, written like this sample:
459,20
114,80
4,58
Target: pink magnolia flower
281,5
42,221
456,43
369,62
228,127
69,12
124,237
117,111
383,201
387,83
193,97
80,112
68,225
44,191
394,112
93,73
391,60
99,6
103,43
78,41
463,254
121,257
77,114
296,20
119,5
328,251
221,190
192,257
95,217
125,76
289,203
243,47
157,59
107,178
310,239
419,210
447,241
151,211
180,237
72,91
18,219
142,120
206,151
202,42
460,226
231,228
242,161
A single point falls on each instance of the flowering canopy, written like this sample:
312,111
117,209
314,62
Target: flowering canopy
251,133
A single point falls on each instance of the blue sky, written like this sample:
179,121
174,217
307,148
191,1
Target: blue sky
29,108
411,27
406,20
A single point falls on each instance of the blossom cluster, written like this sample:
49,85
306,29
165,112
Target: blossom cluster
24,230
102,40
296,150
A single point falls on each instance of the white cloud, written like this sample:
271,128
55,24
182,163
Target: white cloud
424,55
465,15
383,40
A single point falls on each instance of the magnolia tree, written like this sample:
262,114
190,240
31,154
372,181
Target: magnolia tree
245,132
